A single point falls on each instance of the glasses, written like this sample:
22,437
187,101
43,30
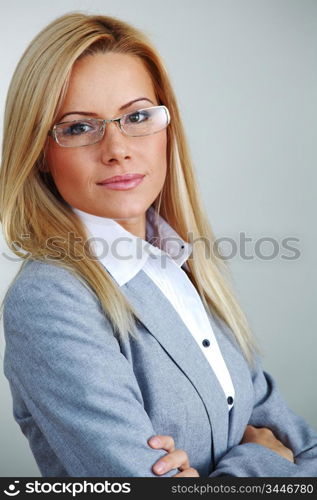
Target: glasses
87,131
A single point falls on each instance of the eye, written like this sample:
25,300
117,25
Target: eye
78,128
137,117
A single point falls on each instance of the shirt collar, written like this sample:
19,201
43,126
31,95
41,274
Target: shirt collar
124,254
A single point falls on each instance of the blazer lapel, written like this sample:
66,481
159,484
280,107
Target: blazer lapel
163,322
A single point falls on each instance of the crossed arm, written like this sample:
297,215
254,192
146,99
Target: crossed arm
179,458
254,458
276,441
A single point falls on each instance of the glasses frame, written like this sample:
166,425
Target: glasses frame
103,122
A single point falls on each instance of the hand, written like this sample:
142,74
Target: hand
264,436
174,459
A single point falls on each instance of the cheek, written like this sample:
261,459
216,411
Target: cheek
157,153
66,168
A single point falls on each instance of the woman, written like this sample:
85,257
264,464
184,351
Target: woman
119,325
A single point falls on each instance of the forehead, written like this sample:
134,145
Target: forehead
107,80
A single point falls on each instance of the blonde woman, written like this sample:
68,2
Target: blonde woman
121,325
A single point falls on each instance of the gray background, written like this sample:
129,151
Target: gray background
245,75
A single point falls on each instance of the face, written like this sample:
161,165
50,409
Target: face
99,86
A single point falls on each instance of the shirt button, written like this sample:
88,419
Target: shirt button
230,400
206,343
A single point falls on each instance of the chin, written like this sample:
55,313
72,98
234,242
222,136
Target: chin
129,211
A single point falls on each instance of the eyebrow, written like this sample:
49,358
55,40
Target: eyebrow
90,113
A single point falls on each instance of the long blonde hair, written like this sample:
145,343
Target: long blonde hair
31,204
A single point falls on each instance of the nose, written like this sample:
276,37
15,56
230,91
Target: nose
114,146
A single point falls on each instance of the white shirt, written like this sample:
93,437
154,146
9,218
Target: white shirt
161,256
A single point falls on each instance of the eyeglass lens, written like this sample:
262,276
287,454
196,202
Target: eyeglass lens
90,130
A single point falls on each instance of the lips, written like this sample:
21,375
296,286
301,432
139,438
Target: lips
121,178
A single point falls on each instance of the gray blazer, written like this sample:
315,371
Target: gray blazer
88,403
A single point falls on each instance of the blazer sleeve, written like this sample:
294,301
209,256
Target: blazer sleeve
66,364
270,410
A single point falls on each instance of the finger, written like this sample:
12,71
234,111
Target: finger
177,459
251,431
164,442
190,472
250,428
